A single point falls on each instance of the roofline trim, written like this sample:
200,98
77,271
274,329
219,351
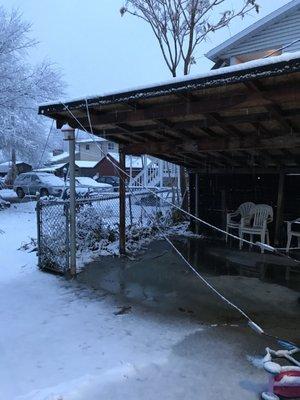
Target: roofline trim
218,79
253,28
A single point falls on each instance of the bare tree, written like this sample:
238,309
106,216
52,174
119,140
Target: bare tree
22,88
181,25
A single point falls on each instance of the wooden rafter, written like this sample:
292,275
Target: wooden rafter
273,108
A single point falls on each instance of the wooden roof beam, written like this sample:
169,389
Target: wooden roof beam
204,125
273,108
228,159
207,104
214,117
204,144
179,133
204,160
277,112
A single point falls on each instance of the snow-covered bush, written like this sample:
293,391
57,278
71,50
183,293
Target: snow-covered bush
90,227
54,244
97,231
4,204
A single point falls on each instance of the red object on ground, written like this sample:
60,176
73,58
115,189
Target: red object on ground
287,384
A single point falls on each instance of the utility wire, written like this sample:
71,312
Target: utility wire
250,322
257,244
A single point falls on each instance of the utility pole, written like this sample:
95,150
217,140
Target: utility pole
69,135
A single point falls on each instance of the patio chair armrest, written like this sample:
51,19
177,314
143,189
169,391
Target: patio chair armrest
232,214
242,223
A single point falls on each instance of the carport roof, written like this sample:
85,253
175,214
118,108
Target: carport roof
245,115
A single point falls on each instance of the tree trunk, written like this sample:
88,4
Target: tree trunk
13,165
12,172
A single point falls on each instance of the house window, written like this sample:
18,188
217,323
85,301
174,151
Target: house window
111,146
87,146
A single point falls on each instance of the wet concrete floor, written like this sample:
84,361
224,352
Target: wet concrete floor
265,286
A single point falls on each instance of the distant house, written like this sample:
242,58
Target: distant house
82,168
134,164
97,157
86,150
20,166
275,34
56,169
95,149
60,157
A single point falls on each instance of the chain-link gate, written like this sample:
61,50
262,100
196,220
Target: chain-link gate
97,224
53,235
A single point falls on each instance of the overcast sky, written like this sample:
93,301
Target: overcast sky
99,51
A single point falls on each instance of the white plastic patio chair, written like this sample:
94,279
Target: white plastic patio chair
260,216
291,233
244,211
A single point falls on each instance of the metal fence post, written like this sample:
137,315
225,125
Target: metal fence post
39,221
67,240
122,204
70,137
130,208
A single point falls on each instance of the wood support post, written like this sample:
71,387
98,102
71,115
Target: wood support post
192,202
183,188
122,205
197,202
223,207
279,213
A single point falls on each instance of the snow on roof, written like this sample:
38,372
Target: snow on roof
51,168
87,181
130,161
86,164
95,139
180,83
50,179
59,157
252,29
5,166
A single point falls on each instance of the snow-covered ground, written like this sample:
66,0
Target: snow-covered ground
8,194
57,340
60,340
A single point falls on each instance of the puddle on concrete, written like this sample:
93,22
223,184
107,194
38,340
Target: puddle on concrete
260,284
221,259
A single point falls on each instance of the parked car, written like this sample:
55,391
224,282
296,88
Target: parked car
90,183
30,183
86,188
111,180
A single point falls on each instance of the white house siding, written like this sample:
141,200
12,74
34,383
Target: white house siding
273,36
93,154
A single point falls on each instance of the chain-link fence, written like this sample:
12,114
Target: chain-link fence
97,225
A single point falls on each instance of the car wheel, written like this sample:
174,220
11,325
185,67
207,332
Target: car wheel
44,193
20,193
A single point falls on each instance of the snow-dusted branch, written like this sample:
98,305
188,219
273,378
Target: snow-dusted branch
181,25
22,87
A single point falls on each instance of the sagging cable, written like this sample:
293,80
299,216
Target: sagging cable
254,326
250,243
